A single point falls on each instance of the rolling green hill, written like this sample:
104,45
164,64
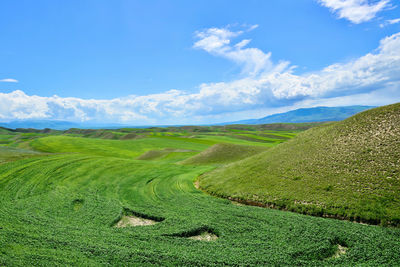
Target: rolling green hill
349,169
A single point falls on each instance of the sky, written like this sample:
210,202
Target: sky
194,62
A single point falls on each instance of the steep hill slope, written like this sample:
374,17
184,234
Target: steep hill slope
348,169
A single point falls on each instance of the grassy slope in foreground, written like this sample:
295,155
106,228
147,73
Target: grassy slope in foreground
349,169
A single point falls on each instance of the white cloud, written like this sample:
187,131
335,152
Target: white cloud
393,21
242,43
217,41
252,27
389,22
356,11
373,70
264,87
8,80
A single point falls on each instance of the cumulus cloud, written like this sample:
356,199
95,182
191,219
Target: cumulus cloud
8,80
265,85
217,41
373,70
356,11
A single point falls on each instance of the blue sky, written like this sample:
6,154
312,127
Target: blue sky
184,62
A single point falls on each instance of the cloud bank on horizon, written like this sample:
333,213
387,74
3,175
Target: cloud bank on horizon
263,86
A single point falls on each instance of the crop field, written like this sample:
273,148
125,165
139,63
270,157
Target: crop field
127,197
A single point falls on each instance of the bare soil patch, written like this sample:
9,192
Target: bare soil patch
205,236
134,221
341,250
203,233
197,184
236,203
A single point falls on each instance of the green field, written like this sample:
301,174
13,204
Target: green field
62,194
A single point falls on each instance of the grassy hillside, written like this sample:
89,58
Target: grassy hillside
348,169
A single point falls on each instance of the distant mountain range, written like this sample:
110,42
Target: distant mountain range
57,125
39,124
316,114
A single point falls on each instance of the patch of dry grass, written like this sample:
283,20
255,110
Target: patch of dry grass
224,153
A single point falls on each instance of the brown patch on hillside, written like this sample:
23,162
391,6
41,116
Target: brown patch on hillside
154,154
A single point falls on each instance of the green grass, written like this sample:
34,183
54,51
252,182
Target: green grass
348,169
6,139
61,208
111,148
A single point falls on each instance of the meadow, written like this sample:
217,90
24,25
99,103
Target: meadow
63,194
